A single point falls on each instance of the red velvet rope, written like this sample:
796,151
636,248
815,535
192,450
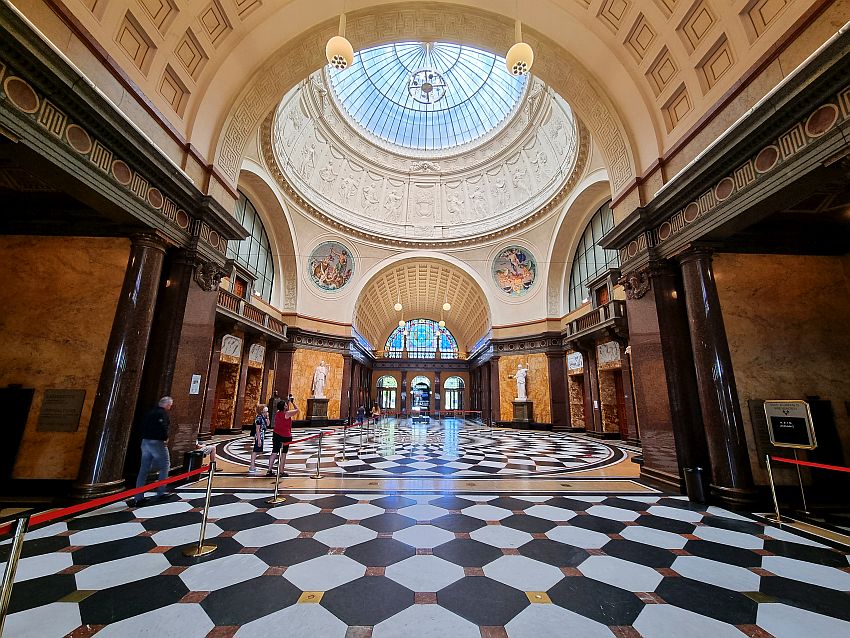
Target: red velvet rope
837,468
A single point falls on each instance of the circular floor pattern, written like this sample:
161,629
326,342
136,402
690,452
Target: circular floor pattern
451,448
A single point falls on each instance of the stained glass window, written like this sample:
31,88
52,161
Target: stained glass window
427,95
590,258
254,252
421,341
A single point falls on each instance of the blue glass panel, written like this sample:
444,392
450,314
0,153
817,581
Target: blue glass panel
427,96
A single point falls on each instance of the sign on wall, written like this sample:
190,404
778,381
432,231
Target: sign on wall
575,361
789,424
60,410
195,386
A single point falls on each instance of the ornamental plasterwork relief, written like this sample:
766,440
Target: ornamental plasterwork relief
386,192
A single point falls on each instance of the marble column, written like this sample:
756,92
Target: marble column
102,466
731,475
495,396
403,394
208,416
437,378
559,400
593,404
632,432
665,391
237,424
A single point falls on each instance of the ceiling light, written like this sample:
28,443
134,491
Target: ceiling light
447,306
401,323
441,323
397,307
339,52
520,56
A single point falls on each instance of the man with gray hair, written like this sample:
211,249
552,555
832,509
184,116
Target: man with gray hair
155,446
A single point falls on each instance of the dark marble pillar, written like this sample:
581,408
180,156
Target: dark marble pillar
345,390
437,379
495,397
665,384
403,396
486,412
593,407
632,432
559,398
102,466
731,475
208,416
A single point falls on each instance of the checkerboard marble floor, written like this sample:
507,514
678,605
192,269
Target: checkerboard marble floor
446,448
360,565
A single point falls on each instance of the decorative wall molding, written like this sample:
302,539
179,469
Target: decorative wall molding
636,284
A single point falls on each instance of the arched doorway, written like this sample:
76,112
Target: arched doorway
387,393
453,393
420,389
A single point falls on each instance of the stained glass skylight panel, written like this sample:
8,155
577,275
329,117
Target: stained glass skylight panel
427,96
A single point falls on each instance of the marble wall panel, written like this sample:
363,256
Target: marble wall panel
58,299
608,401
226,388
253,385
789,336
304,363
575,386
537,385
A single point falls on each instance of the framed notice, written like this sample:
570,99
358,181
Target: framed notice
789,424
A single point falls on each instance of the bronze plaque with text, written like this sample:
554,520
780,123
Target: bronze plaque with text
60,410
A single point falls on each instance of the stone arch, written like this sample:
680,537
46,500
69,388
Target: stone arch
434,277
302,55
593,191
256,184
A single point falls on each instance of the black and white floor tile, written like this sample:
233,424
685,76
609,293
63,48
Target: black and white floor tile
337,564
448,448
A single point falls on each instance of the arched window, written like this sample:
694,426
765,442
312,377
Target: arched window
253,252
387,390
453,392
421,341
590,258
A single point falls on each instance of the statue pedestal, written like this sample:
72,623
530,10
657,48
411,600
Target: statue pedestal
317,409
523,411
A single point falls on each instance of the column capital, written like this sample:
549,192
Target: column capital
150,240
696,252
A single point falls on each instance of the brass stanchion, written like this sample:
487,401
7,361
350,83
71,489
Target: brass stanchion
11,568
773,490
201,549
318,474
276,498
802,491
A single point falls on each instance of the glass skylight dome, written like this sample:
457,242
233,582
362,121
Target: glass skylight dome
427,96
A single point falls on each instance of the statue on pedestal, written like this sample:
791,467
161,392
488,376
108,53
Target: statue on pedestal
521,376
320,377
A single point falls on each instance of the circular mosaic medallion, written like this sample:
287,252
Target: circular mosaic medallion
21,94
514,270
330,266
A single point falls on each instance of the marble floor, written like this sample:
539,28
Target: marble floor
516,550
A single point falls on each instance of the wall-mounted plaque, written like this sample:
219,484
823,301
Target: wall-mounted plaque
789,424
195,386
60,410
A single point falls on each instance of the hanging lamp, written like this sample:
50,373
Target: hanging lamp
339,52
520,56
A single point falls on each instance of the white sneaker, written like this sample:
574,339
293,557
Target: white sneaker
254,471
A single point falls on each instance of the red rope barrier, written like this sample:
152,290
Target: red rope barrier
822,466
45,517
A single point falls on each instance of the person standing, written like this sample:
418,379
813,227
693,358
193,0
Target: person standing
261,424
155,455
282,434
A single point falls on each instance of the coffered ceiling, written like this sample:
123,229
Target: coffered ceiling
422,286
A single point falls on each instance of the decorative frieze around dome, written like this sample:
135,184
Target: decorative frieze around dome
343,175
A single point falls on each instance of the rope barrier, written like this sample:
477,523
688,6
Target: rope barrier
822,466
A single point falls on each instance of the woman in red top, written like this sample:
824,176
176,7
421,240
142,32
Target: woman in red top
282,434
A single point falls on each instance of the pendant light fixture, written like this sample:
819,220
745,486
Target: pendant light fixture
339,52
520,56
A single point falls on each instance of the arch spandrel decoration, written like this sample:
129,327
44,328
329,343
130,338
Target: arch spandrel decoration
299,58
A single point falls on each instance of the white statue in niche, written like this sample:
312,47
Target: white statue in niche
328,174
539,163
521,377
520,182
479,202
454,206
320,378
501,187
370,195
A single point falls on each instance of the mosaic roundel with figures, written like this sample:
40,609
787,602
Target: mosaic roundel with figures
514,270
331,266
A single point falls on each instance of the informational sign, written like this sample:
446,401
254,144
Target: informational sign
789,424
195,386
60,410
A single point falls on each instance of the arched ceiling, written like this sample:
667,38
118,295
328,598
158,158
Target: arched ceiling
656,65
422,285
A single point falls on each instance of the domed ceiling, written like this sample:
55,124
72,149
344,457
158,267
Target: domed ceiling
424,144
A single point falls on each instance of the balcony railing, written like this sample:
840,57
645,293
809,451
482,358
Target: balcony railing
608,313
252,314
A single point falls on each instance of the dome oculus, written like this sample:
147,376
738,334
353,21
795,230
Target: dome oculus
427,96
